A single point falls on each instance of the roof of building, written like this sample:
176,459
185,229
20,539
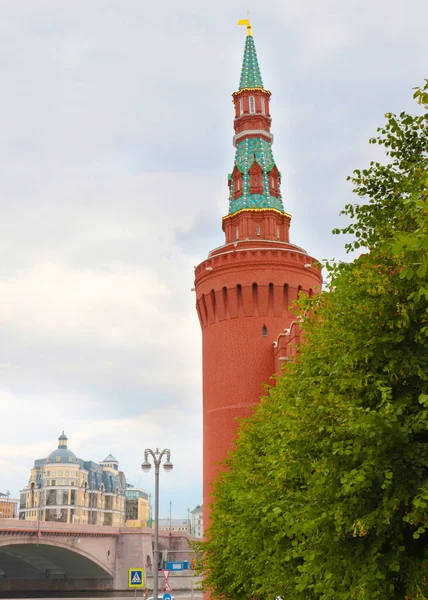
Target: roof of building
133,492
97,478
62,455
250,73
110,458
252,150
248,151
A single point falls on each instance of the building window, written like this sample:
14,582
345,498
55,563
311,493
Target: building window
258,229
264,331
56,514
241,106
262,100
237,233
70,459
58,458
252,105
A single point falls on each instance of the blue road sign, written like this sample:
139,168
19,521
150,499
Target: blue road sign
135,578
167,597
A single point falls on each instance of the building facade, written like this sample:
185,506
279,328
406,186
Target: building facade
175,525
137,507
67,489
197,522
245,288
8,506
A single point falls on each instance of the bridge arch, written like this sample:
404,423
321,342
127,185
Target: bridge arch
53,557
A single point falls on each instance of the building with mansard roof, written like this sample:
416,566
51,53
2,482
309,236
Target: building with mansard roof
68,489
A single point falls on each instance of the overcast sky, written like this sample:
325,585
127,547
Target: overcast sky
115,145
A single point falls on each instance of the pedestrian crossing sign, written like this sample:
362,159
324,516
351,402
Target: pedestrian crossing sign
135,578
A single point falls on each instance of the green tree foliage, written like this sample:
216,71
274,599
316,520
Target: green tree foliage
325,495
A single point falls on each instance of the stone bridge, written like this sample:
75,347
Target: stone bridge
61,556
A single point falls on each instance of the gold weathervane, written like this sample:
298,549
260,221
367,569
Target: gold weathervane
246,22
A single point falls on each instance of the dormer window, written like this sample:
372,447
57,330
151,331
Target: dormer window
256,186
237,183
262,100
252,105
241,106
274,181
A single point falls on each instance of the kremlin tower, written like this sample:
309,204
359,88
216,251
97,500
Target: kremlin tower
245,287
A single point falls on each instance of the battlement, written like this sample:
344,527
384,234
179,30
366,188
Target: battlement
248,253
255,300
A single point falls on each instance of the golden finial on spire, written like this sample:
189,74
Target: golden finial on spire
246,22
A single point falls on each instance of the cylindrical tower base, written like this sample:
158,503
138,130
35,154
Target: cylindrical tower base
244,292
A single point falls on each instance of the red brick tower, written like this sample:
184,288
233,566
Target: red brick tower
245,287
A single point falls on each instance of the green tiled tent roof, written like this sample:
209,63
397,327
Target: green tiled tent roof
247,151
250,74
251,149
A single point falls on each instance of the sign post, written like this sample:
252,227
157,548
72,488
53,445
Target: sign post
135,579
166,586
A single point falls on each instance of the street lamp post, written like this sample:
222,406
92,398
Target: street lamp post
146,466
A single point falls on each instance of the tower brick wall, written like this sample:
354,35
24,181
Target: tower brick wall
243,303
